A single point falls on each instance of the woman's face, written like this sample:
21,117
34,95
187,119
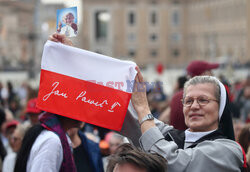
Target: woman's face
201,118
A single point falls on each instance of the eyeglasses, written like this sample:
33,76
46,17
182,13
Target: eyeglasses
201,100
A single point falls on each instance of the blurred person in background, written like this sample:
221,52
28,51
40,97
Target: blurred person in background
9,130
9,117
157,98
87,155
130,159
194,68
13,99
245,110
1,98
244,140
32,112
238,126
158,91
235,111
11,92
2,148
46,146
242,100
95,133
176,107
104,148
15,142
31,94
181,80
4,96
114,140
22,92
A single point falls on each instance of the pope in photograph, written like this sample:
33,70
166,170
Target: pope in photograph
66,22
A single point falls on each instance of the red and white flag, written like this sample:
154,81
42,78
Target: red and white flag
85,86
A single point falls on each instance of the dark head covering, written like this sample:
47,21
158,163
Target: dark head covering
226,123
197,67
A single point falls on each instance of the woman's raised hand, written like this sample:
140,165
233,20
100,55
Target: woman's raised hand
139,97
56,37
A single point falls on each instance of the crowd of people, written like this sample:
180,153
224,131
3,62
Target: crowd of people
196,128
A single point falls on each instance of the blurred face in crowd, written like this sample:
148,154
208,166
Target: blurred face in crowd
73,131
202,114
68,123
16,141
114,143
9,132
76,123
127,167
33,118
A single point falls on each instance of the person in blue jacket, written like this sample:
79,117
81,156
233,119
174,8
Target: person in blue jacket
87,155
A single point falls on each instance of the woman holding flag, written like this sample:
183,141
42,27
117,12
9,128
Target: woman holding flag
208,144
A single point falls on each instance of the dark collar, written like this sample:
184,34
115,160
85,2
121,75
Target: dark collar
178,137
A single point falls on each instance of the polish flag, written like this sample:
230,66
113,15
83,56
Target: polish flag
85,86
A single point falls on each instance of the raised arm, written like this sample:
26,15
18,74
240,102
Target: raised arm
140,102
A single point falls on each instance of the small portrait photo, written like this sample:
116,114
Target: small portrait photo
67,21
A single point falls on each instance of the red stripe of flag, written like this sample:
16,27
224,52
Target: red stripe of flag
82,100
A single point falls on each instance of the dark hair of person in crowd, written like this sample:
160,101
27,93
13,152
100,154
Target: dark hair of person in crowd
2,120
2,116
181,81
244,137
28,140
127,154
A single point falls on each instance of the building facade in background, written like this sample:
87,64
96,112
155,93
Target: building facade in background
149,32
17,33
134,29
216,30
24,27
171,32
